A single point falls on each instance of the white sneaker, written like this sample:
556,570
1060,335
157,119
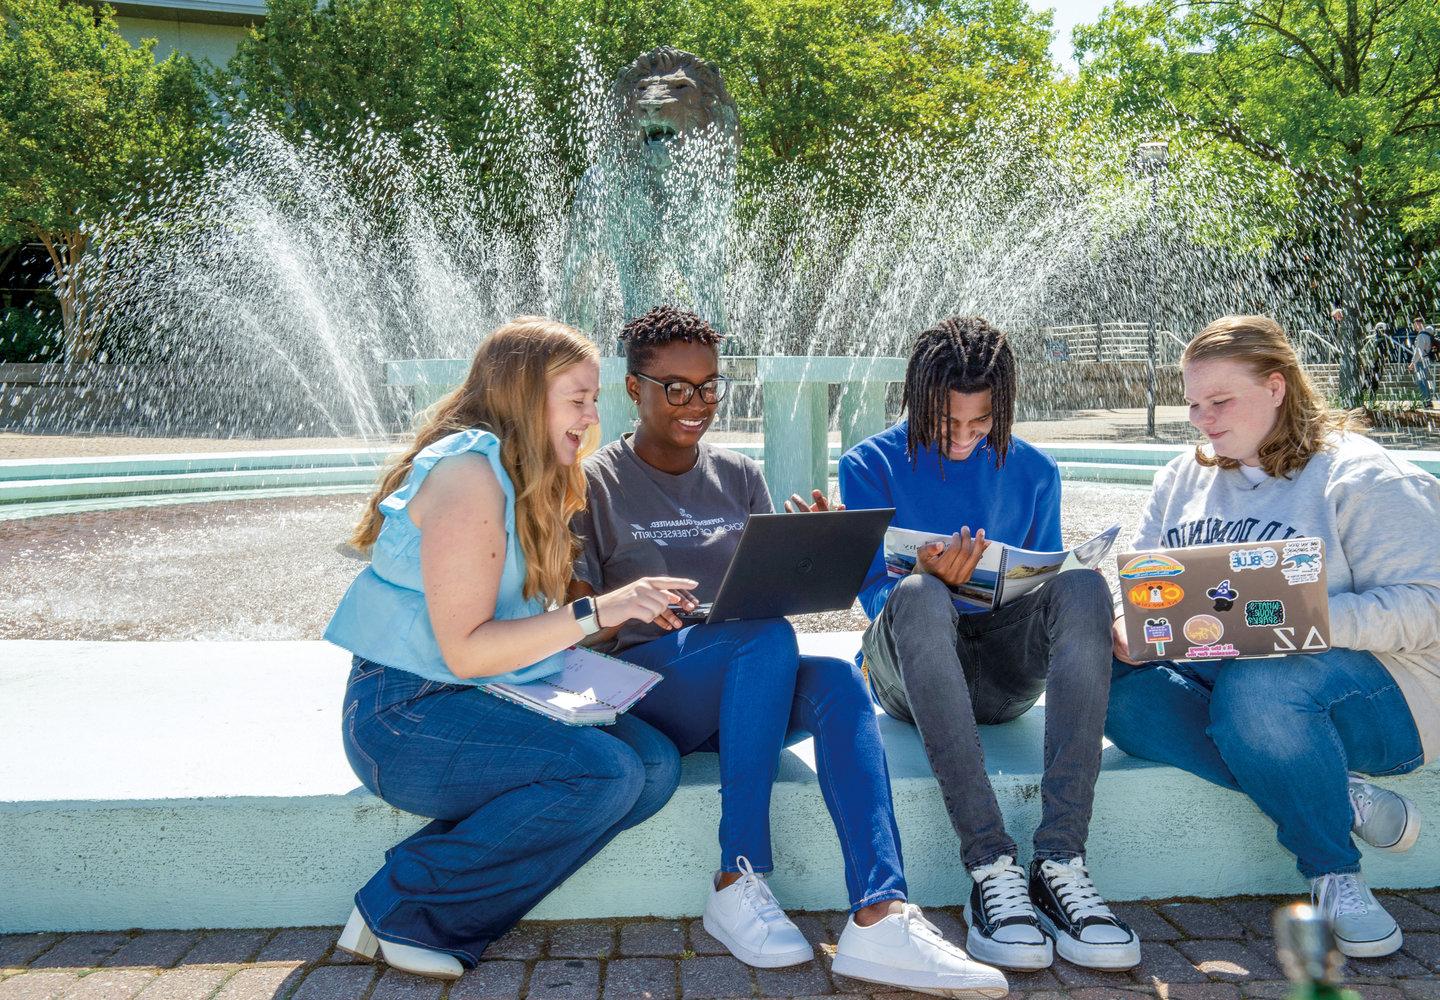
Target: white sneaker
1362,927
359,940
1382,818
906,950
1085,930
745,918
1004,929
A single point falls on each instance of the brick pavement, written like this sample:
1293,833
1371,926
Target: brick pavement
1194,950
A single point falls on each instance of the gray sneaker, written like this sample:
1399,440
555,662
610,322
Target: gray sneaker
1362,927
1382,818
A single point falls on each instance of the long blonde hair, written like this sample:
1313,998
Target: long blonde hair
1304,421
505,393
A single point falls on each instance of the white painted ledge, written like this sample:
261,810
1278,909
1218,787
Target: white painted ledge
203,784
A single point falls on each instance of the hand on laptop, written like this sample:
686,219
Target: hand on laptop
669,619
1120,642
820,502
952,562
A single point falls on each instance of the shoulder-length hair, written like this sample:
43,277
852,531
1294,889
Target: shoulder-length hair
505,393
1304,421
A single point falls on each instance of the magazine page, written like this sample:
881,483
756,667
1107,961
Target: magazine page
1004,572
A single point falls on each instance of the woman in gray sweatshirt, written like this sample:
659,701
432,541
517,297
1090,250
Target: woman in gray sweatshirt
1294,732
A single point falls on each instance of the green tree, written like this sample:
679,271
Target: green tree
806,74
1347,91
86,121
815,76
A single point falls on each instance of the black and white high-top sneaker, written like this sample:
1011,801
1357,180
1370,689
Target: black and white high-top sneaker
1072,912
1004,930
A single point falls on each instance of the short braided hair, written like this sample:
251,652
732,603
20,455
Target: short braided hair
660,326
964,354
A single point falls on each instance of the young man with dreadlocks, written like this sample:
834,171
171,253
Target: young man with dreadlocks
953,467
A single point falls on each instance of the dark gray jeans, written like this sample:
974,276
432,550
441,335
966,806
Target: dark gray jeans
945,672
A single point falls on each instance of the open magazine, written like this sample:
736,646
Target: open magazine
1004,572
591,690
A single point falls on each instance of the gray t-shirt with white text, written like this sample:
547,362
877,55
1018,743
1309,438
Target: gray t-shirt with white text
641,522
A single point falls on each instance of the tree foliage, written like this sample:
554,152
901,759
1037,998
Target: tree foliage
86,120
805,73
1347,90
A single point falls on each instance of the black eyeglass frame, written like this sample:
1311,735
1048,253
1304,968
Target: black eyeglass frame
720,386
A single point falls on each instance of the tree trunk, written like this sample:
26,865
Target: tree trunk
66,250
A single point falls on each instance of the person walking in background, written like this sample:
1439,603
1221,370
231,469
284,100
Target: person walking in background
1421,348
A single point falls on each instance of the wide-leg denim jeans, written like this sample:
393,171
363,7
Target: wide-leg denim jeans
742,689
1285,731
518,802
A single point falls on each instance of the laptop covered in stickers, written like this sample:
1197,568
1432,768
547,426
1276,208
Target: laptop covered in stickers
1213,602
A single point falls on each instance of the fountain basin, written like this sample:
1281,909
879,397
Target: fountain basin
31,487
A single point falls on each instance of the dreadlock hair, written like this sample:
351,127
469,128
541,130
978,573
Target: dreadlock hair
965,354
660,326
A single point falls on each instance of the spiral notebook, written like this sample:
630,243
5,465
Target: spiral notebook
591,690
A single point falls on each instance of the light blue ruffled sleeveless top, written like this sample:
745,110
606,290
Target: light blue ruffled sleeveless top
383,616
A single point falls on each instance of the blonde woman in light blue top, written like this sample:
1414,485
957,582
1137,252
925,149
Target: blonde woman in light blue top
471,555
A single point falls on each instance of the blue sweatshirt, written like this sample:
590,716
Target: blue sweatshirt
1018,504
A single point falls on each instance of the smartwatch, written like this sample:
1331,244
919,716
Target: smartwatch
587,614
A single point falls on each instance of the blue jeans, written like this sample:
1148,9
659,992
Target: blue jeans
1284,731
1422,381
518,801
743,690
950,673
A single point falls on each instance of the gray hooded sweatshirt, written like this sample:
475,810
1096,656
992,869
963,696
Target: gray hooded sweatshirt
1380,519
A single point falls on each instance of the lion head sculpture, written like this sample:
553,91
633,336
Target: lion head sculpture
668,93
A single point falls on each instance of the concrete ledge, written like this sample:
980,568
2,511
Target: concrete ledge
202,784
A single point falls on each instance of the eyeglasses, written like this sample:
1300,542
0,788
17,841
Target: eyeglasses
680,392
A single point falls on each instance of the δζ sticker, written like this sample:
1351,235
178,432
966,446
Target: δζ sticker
1203,630
1242,559
1264,614
1156,594
1223,595
1285,640
1158,633
1152,564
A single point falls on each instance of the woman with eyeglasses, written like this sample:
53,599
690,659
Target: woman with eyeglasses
663,501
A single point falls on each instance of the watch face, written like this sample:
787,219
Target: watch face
584,607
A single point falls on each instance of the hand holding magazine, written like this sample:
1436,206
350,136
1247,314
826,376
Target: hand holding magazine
592,690
1004,571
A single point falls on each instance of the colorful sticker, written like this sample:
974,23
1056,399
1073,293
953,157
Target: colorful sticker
1242,559
1150,565
1204,630
1223,595
1158,632
1301,567
1156,595
1213,651
1264,614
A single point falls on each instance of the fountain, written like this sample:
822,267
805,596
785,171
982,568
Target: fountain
298,287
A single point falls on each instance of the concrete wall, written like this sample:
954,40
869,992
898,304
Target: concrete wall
215,42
